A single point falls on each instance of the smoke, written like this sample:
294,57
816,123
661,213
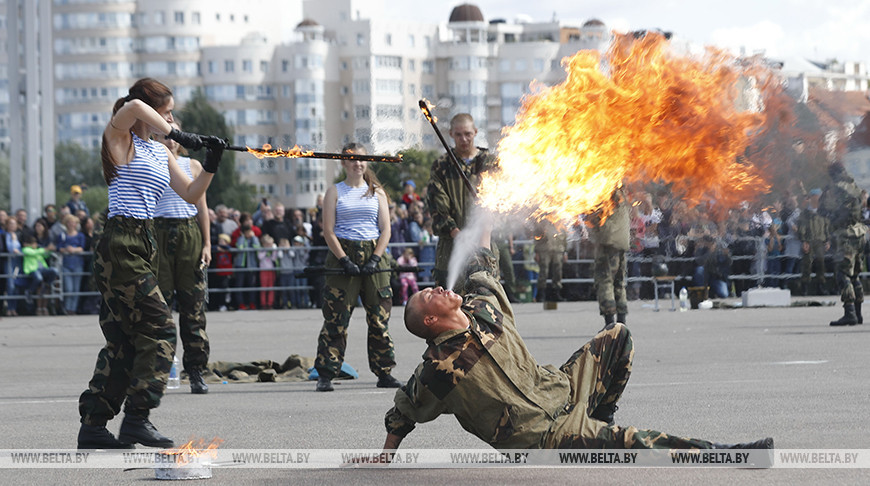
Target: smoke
466,242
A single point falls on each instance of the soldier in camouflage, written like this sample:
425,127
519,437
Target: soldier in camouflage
356,227
183,235
478,369
841,203
550,247
448,199
611,239
814,232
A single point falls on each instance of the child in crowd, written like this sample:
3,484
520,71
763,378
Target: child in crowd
267,257
37,274
408,279
224,264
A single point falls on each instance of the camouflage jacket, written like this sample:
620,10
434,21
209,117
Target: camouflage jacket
841,203
448,199
548,238
812,227
615,229
483,375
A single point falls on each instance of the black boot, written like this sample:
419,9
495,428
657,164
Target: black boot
98,437
388,381
138,430
759,444
324,384
620,318
197,384
604,412
849,317
858,312
609,319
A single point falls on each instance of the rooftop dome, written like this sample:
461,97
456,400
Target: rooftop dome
593,23
307,23
466,13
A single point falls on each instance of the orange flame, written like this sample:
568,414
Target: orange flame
268,151
428,111
185,453
653,115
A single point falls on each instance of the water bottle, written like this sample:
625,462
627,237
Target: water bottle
684,299
174,381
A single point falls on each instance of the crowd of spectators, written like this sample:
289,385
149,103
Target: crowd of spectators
257,256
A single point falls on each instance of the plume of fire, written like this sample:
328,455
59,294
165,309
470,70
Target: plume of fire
268,151
642,114
192,450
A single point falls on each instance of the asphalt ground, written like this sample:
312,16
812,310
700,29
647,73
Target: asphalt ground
724,375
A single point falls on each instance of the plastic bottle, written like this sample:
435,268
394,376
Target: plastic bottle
684,300
174,380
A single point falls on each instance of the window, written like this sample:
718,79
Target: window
361,86
388,86
388,62
229,66
389,111
521,65
388,39
428,67
194,18
159,18
360,40
179,18
410,40
539,64
285,65
264,66
247,66
504,65
361,112
412,66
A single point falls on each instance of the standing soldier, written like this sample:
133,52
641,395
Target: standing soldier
550,247
611,239
449,200
183,233
842,204
356,226
814,231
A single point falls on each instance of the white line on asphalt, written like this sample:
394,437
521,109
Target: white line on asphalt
820,361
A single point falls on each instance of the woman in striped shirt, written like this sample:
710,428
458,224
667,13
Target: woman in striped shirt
133,367
356,226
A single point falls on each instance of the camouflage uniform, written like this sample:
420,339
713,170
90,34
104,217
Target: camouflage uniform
611,241
486,377
814,229
136,322
550,247
180,275
450,203
339,299
842,204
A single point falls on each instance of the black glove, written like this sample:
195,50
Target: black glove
212,142
212,159
371,266
190,141
350,268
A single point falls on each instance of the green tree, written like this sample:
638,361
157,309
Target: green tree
74,164
415,165
198,116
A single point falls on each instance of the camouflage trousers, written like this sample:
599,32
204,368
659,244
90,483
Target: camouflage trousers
339,299
549,260
609,276
848,258
134,364
815,257
506,266
181,277
598,373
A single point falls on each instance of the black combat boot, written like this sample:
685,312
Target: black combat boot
759,444
197,384
620,318
388,381
609,319
324,384
858,312
98,437
138,430
604,412
849,317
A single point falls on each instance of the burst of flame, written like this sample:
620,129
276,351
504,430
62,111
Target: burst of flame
193,449
428,111
268,151
644,114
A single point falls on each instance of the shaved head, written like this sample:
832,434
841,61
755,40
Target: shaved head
414,317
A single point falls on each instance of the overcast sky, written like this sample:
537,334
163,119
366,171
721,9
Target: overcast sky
813,29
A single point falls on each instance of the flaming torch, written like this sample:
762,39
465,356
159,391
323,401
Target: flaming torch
426,108
644,113
296,152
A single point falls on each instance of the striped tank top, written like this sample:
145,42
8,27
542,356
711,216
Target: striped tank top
171,205
356,216
134,192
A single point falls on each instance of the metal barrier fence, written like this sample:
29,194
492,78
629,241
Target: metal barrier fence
576,270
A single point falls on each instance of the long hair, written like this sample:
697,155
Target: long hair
154,94
369,176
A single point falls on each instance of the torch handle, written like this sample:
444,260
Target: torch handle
424,105
321,155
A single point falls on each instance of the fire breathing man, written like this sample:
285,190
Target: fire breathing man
449,200
841,203
611,239
477,368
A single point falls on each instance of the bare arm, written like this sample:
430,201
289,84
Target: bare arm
202,217
329,201
383,223
190,191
